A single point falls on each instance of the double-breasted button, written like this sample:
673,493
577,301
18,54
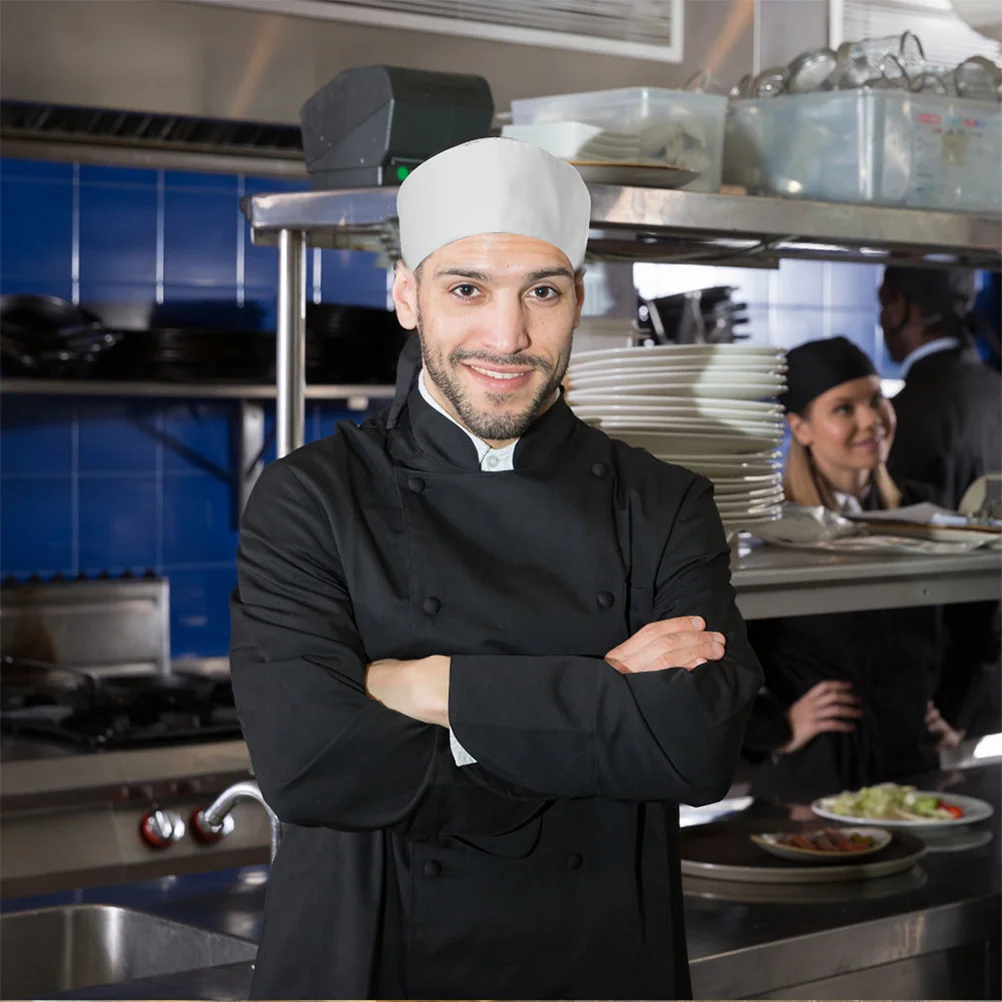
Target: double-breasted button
605,599
431,605
432,868
574,861
415,484
599,470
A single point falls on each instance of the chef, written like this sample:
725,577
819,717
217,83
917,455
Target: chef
480,651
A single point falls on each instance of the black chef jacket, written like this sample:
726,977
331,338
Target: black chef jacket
950,433
891,657
550,869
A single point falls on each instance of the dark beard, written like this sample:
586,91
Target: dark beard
491,427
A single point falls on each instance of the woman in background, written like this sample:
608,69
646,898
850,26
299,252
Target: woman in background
849,694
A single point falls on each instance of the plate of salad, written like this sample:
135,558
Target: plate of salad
897,806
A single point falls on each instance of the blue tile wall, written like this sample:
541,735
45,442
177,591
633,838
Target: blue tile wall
90,485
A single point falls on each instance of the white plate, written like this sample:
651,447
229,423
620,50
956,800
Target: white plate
586,410
731,509
682,444
749,482
769,842
771,494
684,405
684,425
765,368
676,350
689,390
974,810
616,383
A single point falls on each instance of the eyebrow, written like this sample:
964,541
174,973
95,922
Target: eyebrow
480,276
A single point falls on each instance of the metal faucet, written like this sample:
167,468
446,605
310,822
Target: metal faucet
215,819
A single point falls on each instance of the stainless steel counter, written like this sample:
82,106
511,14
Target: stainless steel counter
771,581
930,933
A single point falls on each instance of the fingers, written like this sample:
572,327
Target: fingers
661,629
679,651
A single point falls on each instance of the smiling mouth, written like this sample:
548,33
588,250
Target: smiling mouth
497,374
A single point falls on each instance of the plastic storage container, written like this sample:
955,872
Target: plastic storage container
646,125
887,147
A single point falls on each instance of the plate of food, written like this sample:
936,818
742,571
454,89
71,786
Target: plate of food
897,806
833,845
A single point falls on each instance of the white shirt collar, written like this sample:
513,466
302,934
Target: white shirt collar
927,349
491,460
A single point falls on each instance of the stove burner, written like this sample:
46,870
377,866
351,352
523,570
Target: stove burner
152,716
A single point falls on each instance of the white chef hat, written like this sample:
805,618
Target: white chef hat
495,185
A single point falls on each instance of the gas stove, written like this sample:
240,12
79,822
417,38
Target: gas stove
148,717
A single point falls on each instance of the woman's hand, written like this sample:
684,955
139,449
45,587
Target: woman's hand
827,707
939,728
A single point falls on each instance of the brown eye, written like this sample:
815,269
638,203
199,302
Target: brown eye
544,293
465,291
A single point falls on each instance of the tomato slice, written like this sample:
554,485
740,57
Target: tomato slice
952,809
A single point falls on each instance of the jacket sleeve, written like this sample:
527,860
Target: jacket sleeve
575,727
323,752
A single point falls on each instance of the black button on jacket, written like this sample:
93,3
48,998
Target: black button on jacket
338,558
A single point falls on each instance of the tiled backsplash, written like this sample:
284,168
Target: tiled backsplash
86,485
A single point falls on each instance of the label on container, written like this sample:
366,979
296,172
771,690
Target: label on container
954,158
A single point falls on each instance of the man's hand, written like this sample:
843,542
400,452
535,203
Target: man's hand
828,707
670,643
947,737
417,689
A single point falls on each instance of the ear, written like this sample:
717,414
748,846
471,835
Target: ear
405,296
579,293
800,428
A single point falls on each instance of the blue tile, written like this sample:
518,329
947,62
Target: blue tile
123,307
274,185
198,520
265,304
351,277
36,436
202,427
118,234
853,285
261,264
117,176
858,326
111,440
191,306
800,283
331,412
36,238
36,170
201,231
198,181
200,610
791,327
118,523
61,288
36,526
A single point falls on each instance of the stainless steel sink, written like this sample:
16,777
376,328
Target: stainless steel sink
78,946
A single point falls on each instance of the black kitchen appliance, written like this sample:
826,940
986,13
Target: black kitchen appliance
372,125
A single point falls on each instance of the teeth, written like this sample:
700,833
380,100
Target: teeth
497,375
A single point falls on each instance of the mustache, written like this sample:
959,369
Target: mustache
531,361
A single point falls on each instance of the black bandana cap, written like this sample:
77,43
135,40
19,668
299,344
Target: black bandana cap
818,366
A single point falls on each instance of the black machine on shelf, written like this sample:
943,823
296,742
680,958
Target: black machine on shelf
372,125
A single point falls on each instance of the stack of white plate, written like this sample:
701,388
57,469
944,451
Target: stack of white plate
710,408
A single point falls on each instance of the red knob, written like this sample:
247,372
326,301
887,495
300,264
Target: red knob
209,834
160,829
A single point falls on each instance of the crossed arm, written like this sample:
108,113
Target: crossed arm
540,727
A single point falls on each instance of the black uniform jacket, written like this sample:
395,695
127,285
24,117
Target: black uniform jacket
891,657
949,434
949,424
551,867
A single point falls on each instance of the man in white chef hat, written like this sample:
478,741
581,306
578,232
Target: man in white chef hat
481,652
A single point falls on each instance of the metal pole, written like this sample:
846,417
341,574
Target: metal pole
290,367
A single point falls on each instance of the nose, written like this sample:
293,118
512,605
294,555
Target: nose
868,418
506,330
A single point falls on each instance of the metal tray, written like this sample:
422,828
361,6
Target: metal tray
724,851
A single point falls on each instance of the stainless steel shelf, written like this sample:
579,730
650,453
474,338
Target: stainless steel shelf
201,391
777,582
652,224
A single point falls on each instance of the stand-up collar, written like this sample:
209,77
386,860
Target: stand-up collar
445,443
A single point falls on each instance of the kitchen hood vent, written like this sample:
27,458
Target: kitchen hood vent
636,29
27,120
